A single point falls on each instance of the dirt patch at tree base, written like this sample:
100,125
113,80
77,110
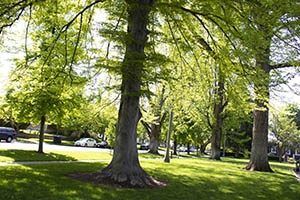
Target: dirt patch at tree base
96,178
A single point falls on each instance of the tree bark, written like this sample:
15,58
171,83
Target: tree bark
154,139
259,150
175,145
41,136
125,168
155,131
218,125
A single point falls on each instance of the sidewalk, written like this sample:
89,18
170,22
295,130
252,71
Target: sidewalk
49,162
65,161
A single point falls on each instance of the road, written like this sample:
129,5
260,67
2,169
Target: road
48,147
52,147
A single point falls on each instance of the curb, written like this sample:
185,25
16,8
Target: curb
297,174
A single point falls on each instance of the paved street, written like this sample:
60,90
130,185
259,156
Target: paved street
48,147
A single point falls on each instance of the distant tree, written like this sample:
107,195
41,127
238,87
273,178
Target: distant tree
294,111
154,119
283,127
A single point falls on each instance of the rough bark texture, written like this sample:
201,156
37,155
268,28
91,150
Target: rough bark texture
125,169
217,126
154,129
259,150
41,137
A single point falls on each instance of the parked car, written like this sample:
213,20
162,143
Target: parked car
86,142
182,149
7,134
102,144
144,146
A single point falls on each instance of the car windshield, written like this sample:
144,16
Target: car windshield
82,139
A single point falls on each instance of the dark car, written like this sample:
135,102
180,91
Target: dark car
144,146
7,134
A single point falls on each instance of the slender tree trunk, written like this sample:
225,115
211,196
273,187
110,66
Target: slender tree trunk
175,145
125,168
167,156
41,137
188,148
224,146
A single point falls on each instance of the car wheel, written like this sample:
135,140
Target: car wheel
9,139
85,144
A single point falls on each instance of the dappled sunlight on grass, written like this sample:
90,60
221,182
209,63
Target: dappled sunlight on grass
190,179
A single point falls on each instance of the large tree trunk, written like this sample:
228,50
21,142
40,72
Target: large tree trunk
125,168
41,137
259,150
216,138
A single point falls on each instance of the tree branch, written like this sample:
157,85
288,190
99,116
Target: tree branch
284,65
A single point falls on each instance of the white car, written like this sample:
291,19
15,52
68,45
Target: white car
86,142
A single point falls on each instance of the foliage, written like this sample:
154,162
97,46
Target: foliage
284,129
95,116
294,111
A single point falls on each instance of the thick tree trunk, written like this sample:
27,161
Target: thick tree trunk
259,150
154,138
41,136
218,125
125,168
155,131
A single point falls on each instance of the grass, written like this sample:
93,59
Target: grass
27,155
191,179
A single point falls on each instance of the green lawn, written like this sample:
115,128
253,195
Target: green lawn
189,179
27,155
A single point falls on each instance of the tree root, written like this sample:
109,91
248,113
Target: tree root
119,180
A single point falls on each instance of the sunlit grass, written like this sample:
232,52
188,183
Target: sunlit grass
29,155
191,179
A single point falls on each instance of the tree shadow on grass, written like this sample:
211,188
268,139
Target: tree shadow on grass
189,179
28,155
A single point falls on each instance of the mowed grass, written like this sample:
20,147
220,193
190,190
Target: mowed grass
30,155
189,179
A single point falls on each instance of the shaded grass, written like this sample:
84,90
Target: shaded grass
191,179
